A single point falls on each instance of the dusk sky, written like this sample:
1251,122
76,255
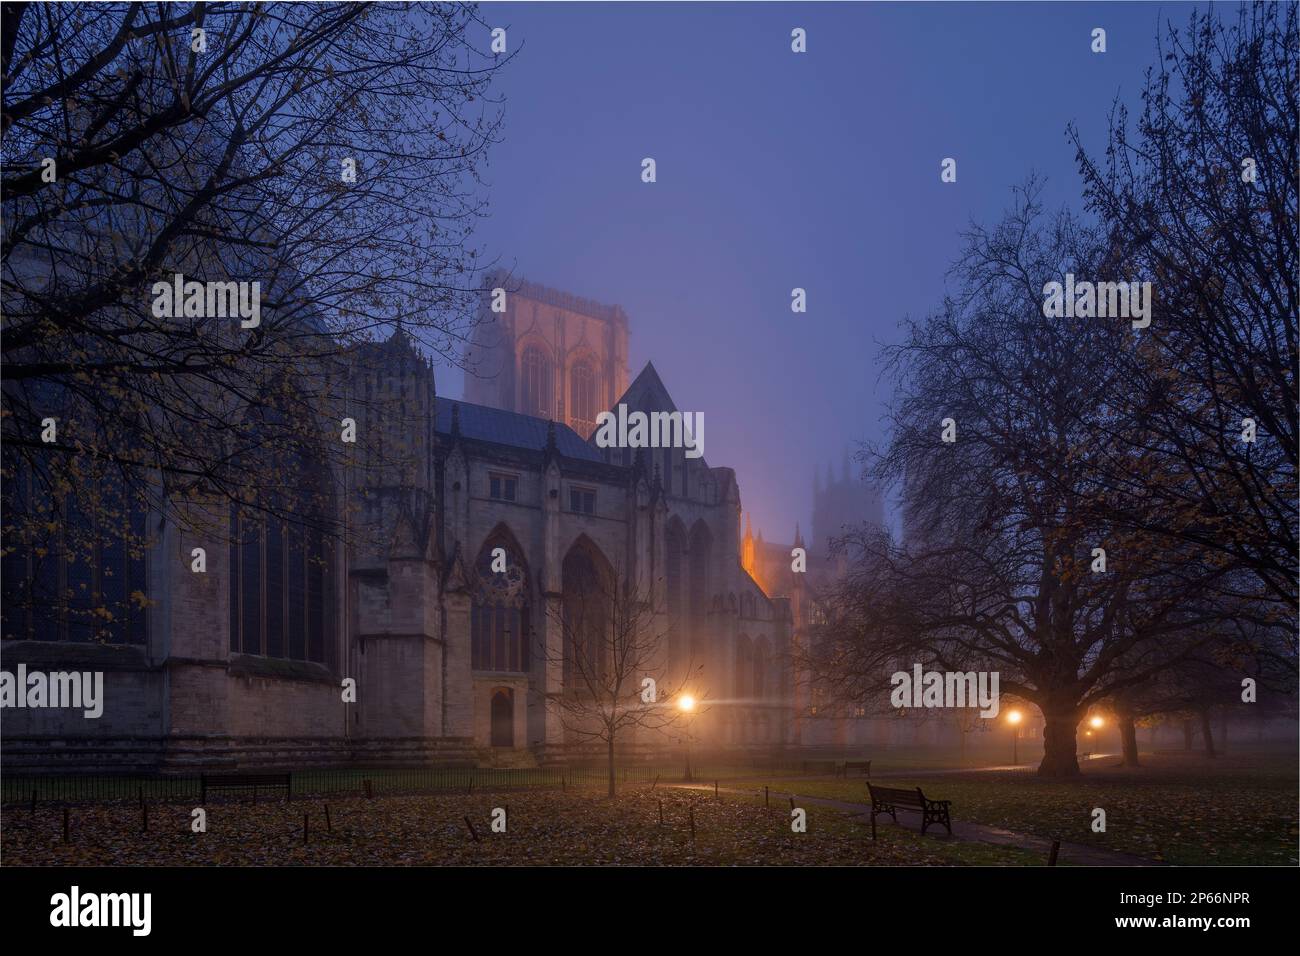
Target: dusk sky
778,170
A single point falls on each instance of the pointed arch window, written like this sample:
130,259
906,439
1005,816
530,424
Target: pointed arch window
675,587
74,567
588,609
499,615
536,391
281,563
701,553
582,398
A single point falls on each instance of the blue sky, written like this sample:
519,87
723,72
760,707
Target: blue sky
778,170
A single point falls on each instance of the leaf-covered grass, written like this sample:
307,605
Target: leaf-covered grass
345,781
1184,810
543,828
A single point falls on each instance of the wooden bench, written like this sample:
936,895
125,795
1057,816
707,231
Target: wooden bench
892,799
861,766
241,781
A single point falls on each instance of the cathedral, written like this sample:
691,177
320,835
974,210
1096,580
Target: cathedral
249,663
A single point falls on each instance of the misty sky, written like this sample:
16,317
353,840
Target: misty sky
778,170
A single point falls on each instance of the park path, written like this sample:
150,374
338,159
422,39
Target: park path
992,768
1073,853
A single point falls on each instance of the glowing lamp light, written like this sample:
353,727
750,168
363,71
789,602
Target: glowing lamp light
1096,722
1013,717
687,703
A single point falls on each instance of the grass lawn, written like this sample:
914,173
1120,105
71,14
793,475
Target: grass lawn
1180,809
947,758
578,827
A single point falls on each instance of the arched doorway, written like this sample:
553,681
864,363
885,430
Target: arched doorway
590,611
503,717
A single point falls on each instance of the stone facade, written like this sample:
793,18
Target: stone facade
446,669
550,354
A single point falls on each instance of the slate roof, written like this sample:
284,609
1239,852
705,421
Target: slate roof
482,423
647,380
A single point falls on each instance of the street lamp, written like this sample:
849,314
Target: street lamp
1013,718
1096,723
686,704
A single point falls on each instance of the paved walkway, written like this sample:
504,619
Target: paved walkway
1095,760
1073,853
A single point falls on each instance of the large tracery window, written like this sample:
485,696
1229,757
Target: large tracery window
74,565
281,557
535,383
499,618
701,546
582,398
279,603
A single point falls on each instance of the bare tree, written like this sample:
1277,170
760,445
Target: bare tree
328,152
618,678
1009,566
1202,199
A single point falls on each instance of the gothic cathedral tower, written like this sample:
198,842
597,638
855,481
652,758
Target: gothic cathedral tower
549,354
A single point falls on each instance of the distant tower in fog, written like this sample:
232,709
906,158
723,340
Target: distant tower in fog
550,355
841,505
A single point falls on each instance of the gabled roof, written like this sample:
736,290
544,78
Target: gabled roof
483,423
647,380
647,393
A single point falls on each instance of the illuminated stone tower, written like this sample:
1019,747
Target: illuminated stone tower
549,354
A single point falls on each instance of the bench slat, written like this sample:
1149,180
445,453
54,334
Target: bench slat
231,781
890,799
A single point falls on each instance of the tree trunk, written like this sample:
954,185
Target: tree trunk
1223,731
610,743
1060,729
1205,732
961,760
1128,739
1187,733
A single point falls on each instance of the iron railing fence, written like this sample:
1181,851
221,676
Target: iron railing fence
17,788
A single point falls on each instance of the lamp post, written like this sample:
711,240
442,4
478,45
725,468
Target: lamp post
687,706
1013,718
